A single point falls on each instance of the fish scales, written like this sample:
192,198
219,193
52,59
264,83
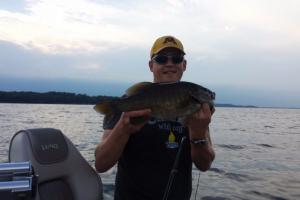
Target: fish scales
166,100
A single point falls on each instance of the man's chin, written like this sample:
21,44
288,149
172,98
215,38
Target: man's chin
170,79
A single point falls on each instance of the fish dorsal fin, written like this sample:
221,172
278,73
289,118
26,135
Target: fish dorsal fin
138,87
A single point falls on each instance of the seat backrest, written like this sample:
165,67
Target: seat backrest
63,174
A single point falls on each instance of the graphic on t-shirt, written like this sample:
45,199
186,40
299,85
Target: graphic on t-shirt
167,125
171,143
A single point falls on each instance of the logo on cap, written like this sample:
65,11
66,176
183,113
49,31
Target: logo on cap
170,39
165,42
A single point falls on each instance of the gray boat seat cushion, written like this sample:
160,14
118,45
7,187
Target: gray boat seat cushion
63,174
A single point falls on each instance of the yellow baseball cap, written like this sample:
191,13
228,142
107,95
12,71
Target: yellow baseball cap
165,42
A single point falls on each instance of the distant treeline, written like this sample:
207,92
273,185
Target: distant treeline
50,98
62,98
232,105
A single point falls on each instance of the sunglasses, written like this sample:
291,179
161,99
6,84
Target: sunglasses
163,59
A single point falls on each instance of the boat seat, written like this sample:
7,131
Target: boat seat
63,174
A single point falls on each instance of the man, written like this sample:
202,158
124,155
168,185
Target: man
146,152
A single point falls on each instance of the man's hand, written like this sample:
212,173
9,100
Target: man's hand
202,155
125,121
199,121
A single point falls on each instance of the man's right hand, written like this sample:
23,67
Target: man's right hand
126,124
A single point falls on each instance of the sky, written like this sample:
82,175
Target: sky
247,51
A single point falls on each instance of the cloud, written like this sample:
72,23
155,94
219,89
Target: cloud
71,29
19,61
55,26
120,65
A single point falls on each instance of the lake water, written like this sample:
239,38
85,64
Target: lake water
257,150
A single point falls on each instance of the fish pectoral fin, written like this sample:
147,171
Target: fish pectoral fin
137,88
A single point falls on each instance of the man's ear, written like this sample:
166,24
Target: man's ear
150,65
184,64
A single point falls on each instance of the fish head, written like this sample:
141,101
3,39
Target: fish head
202,95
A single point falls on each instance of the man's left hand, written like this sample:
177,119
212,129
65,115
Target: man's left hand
199,121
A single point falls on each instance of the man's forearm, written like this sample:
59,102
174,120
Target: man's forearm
108,152
203,154
114,141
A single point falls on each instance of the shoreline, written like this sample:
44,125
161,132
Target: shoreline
68,98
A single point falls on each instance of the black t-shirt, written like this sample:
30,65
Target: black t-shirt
146,162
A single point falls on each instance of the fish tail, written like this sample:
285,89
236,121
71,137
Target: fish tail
105,108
